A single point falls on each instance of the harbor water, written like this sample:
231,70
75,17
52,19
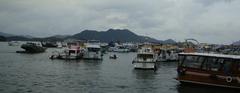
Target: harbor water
36,73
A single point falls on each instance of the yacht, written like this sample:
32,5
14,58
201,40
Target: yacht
93,50
145,59
74,51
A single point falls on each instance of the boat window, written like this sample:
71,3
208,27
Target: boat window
212,64
217,64
93,49
144,56
227,66
181,59
71,51
193,61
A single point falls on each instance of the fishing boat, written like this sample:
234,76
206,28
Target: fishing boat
145,59
74,51
93,50
32,47
209,69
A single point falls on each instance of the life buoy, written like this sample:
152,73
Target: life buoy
229,79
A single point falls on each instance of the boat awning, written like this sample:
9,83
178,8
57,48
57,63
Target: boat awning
237,57
93,46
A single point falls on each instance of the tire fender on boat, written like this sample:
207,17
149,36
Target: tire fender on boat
229,79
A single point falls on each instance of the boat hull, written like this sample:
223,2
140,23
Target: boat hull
144,65
209,79
33,48
92,56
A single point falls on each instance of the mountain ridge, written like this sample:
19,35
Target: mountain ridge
122,35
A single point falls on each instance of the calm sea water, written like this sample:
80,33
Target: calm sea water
35,73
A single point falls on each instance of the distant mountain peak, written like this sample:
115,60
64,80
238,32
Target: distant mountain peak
170,41
123,35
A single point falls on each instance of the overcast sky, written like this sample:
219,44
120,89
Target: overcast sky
211,21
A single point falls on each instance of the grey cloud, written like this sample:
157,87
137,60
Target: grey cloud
213,21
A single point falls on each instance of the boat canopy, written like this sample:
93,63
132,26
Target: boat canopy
236,57
93,46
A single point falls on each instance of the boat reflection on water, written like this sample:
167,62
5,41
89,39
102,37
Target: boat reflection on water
190,88
144,74
145,81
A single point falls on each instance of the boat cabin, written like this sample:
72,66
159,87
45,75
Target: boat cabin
145,59
145,55
209,69
93,48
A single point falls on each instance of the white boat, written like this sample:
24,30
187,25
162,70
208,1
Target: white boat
74,51
167,55
145,59
13,43
93,51
119,48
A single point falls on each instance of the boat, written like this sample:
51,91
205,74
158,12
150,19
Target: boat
74,51
49,44
93,50
145,59
113,56
32,47
209,69
167,56
119,48
13,43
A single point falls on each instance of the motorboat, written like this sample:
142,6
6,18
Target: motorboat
32,47
114,56
93,51
209,69
74,51
145,59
